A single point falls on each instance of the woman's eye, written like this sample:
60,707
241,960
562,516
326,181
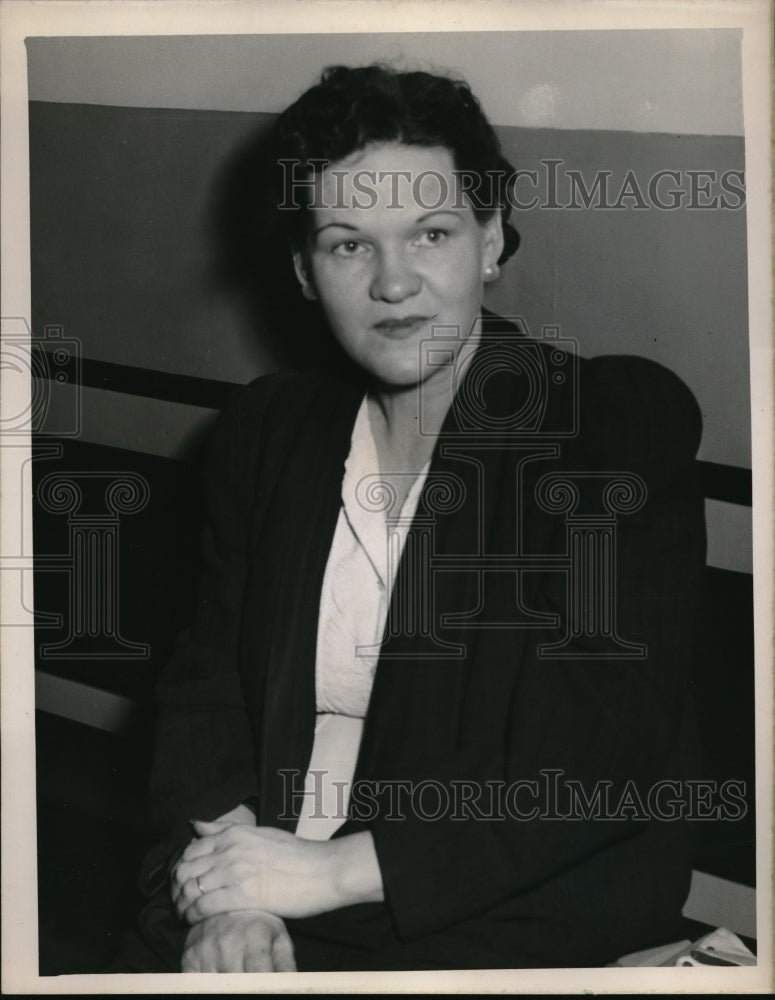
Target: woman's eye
432,237
348,248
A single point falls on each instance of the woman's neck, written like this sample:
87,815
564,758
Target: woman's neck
407,422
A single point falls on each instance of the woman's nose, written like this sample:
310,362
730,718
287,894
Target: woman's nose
395,278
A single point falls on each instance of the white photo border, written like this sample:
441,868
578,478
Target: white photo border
20,19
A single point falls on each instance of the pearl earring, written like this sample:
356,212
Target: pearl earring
491,272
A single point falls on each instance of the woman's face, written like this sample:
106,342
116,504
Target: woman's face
394,250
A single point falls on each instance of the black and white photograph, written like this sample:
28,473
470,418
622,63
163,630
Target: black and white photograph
386,550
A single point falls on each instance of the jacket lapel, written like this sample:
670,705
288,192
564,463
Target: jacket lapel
281,618
447,661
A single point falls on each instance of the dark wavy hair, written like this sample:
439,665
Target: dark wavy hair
352,107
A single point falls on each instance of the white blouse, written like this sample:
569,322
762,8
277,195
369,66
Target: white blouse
354,603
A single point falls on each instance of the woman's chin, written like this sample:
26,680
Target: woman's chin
394,373
396,381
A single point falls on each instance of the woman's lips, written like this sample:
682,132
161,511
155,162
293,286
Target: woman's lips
402,324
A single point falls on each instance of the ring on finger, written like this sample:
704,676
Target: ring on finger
200,887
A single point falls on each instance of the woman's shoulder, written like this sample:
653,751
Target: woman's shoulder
614,401
272,417
278,411
286,395
288,385
638,406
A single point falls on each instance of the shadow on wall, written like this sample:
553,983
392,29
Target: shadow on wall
252,260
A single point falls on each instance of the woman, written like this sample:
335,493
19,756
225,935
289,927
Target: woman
419,723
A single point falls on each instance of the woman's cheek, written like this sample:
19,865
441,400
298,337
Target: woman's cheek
338,278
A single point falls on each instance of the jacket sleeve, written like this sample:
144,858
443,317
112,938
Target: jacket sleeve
610,725
204,759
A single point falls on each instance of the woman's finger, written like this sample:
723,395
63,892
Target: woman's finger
184,892
198,848
210,879
282,953
196,878
188,893
190,961
206,828
221,900
184,871
183,895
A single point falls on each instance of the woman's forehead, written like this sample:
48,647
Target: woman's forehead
396,156
391,178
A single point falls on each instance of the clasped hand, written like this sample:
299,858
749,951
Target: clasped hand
235,867
244,941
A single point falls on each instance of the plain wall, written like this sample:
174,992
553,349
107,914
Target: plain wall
682,81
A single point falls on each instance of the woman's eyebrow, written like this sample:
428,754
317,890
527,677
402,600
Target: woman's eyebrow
333,225
455,213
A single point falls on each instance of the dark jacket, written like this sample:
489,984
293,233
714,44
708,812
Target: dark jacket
537,666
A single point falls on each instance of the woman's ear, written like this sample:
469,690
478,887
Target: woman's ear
301,268
492,247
